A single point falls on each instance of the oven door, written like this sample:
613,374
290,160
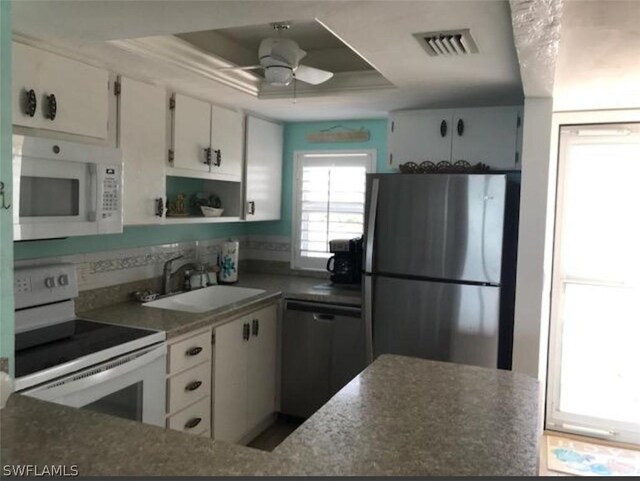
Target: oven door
54,198
131,387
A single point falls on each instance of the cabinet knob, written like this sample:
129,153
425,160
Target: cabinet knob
192,423
443,128
194,351
193,385
252,208
30,102
460,127
207,155
52,107
255,327
218,161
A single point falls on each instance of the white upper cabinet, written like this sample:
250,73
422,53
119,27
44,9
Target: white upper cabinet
191,133
56,93
419,135
264,170
142,138
207,139
226,142
487,135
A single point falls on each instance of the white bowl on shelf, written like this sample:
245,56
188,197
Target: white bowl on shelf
211,211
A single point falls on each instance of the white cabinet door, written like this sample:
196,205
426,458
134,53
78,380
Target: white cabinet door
81,93
226,142
262,366
230,382
27,67
488,135
419,135
264,170
142,138
191,133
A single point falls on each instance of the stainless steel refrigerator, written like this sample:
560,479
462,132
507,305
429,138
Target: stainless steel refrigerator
439,266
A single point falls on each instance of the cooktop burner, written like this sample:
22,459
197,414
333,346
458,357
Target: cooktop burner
51,346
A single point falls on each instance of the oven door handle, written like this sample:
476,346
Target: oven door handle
94,376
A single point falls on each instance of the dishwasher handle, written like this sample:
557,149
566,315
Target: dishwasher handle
323,312
323,317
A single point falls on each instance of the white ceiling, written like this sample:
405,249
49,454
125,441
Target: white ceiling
379,31
599,57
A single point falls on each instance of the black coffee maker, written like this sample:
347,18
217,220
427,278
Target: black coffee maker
346,263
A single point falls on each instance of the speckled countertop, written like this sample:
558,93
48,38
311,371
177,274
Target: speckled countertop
401,416
176,323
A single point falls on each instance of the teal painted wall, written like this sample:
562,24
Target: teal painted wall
295,139
137,236
6,215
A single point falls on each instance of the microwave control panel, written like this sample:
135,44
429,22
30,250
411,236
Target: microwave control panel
110,194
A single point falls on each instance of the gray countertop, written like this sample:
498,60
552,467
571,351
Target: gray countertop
176,323
401,416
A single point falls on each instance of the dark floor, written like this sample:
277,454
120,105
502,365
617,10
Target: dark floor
271,437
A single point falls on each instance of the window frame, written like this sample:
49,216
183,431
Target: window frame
555,418
297,262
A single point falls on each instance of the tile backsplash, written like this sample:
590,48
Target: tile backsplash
102,269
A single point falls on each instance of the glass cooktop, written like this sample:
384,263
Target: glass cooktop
51,346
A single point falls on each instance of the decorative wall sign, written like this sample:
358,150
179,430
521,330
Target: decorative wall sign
339,133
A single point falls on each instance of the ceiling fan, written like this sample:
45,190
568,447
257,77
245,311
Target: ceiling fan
280,60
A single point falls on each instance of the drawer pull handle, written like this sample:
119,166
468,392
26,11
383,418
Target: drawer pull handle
194,351
192,386
192,423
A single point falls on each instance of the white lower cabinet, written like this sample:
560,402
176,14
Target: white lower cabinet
244,375
189,383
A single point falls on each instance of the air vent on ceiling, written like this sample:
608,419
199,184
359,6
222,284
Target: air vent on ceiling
450,43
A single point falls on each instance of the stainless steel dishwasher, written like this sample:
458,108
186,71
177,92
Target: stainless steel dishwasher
323,348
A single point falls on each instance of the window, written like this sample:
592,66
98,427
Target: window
329,197
594,375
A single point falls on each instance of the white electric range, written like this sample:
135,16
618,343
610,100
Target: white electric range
61,358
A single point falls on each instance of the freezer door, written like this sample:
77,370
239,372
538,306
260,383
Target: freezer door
436,226
439,321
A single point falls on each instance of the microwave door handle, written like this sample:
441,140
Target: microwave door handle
93,194
46,393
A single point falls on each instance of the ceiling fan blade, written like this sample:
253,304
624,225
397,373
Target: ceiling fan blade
312,75
231,69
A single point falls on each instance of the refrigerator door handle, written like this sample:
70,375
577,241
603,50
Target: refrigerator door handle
368,317
371,226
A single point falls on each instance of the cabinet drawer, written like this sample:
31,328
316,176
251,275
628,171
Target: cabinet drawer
189,352
189,386
195,419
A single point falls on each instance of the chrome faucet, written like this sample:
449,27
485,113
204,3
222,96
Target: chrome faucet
166,275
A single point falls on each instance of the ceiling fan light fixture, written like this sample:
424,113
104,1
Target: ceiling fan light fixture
278,75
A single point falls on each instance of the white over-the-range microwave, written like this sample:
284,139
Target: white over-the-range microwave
63,189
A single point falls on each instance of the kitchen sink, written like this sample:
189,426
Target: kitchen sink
205,299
